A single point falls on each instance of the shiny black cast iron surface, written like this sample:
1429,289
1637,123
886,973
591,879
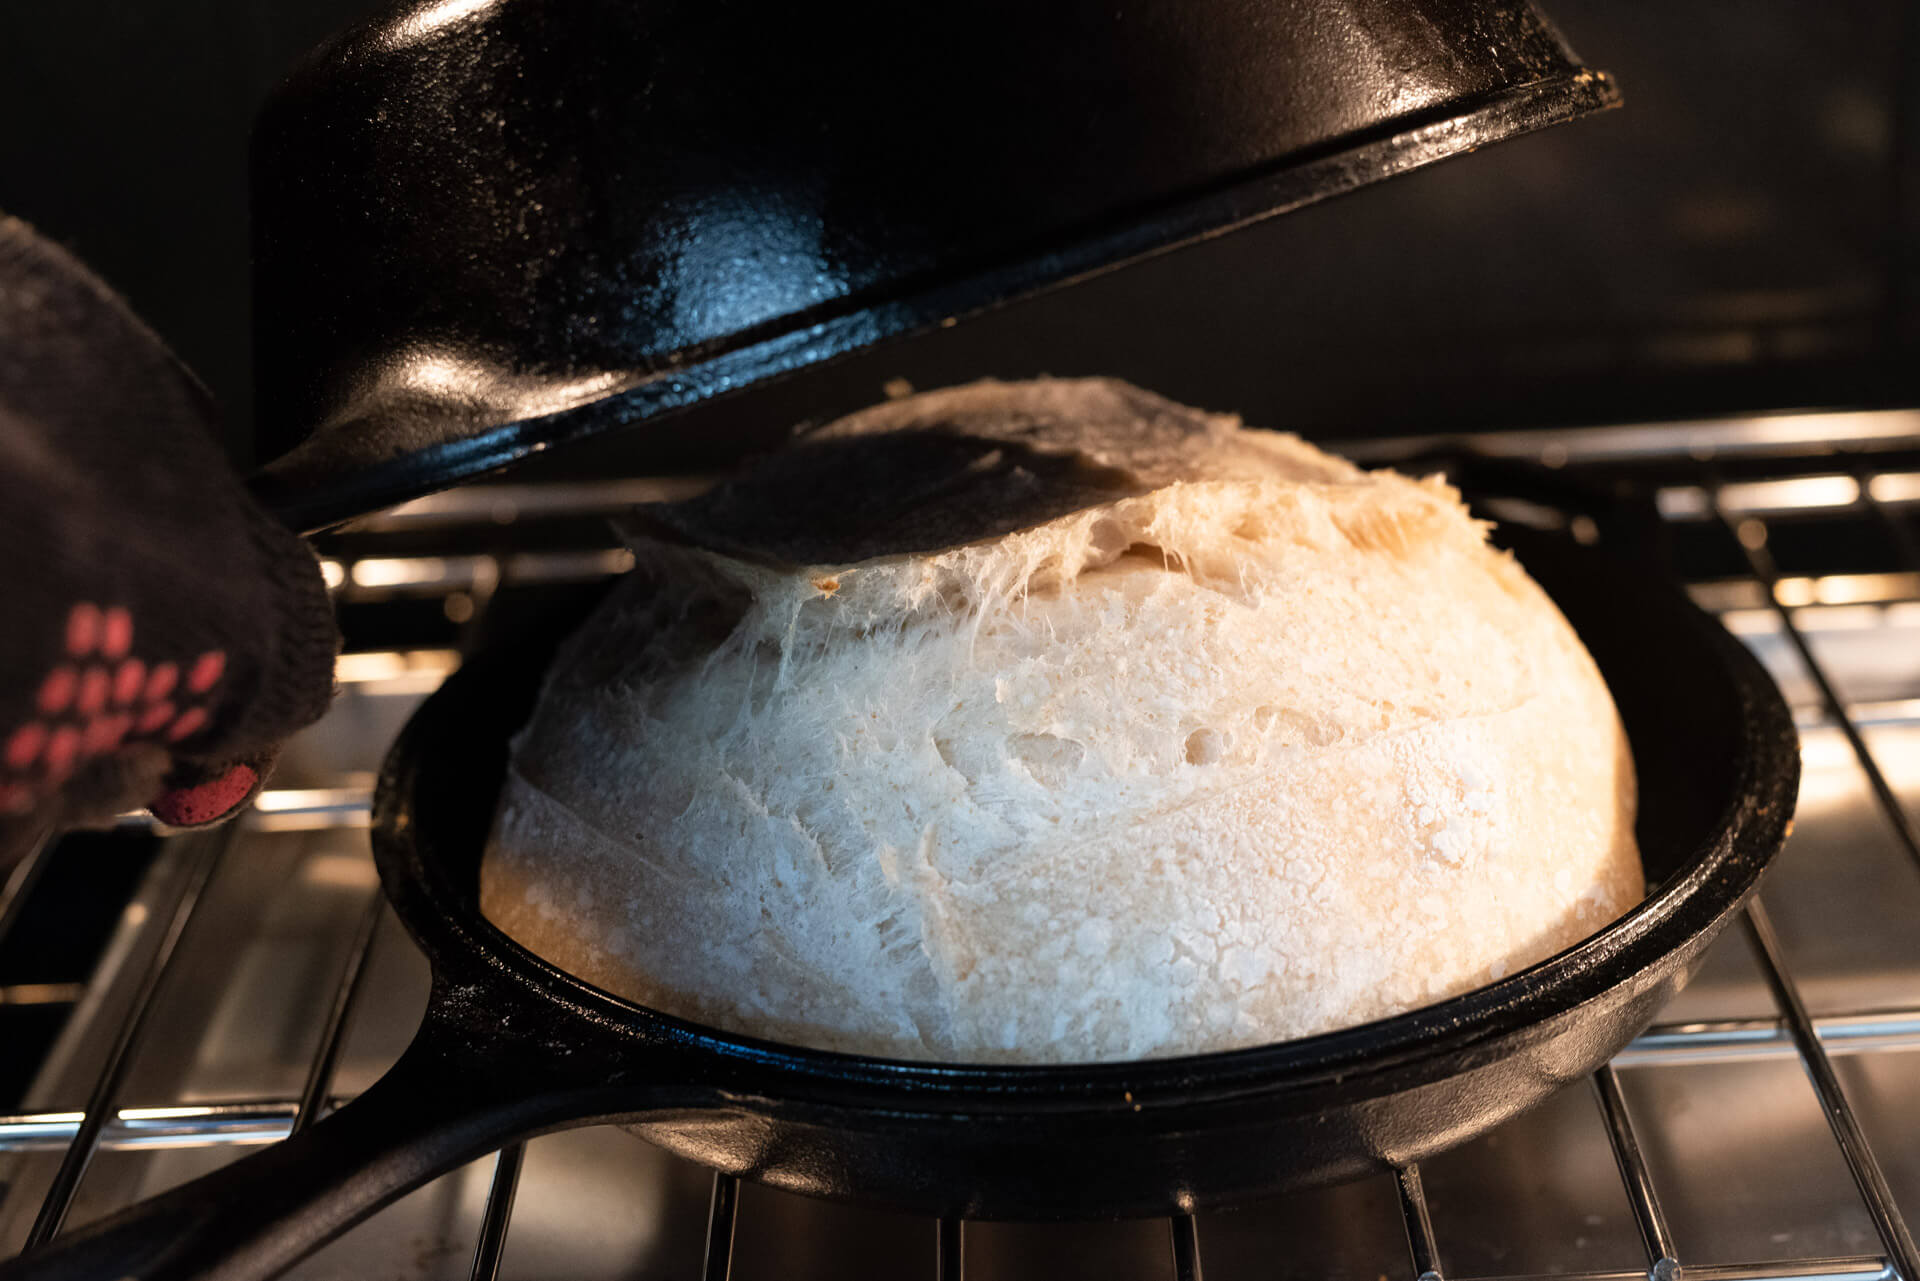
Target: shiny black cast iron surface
485,227
512,1047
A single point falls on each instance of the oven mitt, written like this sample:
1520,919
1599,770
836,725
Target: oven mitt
162,634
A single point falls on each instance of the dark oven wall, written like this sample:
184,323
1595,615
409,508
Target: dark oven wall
1744,234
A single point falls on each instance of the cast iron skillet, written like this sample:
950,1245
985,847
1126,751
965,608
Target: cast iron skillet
511,1047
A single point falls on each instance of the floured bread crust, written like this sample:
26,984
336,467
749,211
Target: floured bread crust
1254,746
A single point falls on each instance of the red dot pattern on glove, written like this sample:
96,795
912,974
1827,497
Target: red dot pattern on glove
206,673
83,628
95,682
25,746
129,679
160,682
56,691
98,698
116,632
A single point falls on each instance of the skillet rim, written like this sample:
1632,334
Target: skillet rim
1375,1058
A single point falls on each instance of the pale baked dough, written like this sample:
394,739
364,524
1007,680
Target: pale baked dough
1256,746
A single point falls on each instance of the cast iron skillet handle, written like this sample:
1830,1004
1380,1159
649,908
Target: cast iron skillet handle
448,1100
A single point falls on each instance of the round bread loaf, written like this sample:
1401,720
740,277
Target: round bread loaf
1055,722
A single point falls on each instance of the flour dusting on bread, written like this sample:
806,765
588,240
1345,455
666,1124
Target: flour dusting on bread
1055,722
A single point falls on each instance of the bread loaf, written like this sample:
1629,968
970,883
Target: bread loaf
1055,722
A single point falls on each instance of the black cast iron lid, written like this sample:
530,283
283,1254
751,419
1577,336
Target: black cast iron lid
485,227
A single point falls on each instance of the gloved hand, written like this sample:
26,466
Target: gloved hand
160,634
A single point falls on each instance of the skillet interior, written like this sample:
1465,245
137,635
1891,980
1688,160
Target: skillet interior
1718,766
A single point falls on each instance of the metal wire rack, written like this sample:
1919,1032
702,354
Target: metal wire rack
1704,474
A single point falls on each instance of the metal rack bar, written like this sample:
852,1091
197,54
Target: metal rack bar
207,1124
73,1166
42,993
1722,1040
1761,562
1421,1246
202,1125
487,1251
1896,529
949,1251
1186,1248
1655,1237
313,1095
1861,1162
718,1264
20,882
1865,1268
1738,435
1860,1267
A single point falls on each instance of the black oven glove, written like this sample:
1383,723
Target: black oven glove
163,634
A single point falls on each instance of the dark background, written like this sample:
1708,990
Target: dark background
1744,234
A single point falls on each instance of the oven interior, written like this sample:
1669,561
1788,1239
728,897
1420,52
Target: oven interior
1659,283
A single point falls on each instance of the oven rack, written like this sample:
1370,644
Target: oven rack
1704,492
